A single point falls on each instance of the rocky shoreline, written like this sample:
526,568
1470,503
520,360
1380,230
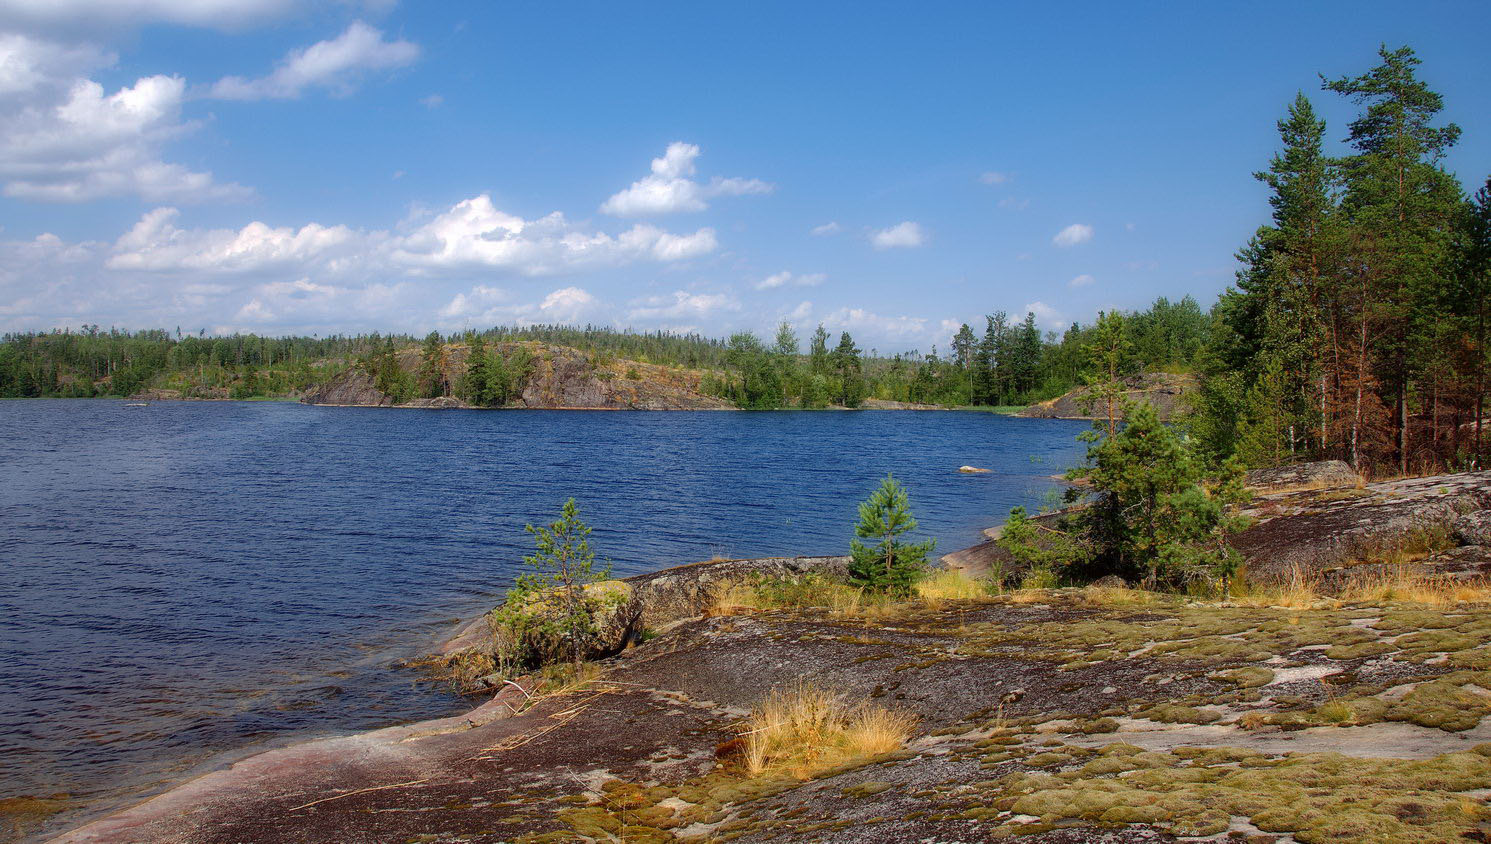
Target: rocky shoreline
1030,708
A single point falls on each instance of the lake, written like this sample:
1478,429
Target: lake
184,582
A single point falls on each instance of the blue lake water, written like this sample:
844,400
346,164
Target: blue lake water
187,580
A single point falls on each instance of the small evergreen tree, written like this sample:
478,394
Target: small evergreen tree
849,368
1154,513
476,384
550,609
1110,356
892,565
433,380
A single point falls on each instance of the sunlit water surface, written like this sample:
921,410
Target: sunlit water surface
184,582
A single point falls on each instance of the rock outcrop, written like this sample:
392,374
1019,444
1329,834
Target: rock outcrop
559,378
1317,533
568,378
353,388
652,602
1058,717
1163,390
1324,474
1321,522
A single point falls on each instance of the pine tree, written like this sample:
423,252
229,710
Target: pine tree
476,384
1109,355
551,609
1402,207
433,378
964,344
892,565
848,367
818,351
1297,339
1474,301
1150,514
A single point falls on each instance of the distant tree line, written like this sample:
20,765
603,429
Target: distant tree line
1009,364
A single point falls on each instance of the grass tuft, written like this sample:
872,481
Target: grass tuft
950,585
1402,584
1298,592
804,729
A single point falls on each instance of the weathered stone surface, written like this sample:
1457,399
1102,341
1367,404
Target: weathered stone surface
560,378
887,404
1163,390
1314,532
352,387
1317,530
1473,528
1324,474
1064,692
674,594
654,601
568,378
1469,563
438,403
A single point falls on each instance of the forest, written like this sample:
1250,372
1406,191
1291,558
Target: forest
1356,328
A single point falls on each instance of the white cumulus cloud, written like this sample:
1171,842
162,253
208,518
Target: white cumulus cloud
682,304
156,244
336,65
1081,281
900,236
1072,235
785,278
1046,315
64,138
474,233
670,190
831,227
471,235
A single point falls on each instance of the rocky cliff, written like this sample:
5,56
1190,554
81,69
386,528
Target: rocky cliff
568,378
559,378
353,388
1163,390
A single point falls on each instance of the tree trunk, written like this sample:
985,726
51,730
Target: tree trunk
1403,427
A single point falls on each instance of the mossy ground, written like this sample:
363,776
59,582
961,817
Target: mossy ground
1061,715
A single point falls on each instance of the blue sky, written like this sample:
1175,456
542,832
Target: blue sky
887,169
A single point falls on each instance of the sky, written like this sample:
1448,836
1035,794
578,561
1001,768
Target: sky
888,169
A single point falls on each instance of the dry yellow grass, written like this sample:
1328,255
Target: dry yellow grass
804,730
1108,596
950,585
734,598
1297,592
1402,583
1029,595
841,599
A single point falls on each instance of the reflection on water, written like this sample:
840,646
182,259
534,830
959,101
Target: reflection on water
187,579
